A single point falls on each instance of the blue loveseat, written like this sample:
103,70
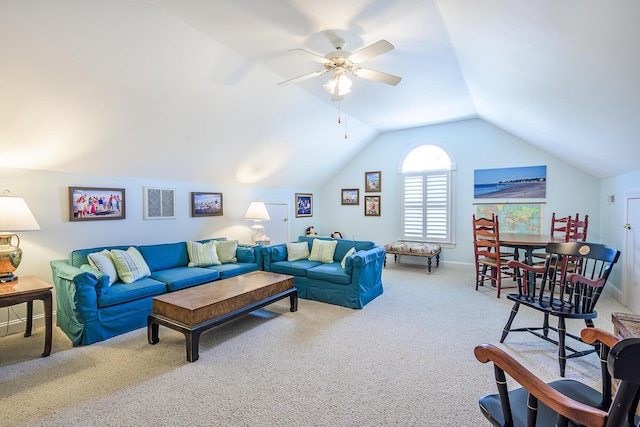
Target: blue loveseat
90,310
359,282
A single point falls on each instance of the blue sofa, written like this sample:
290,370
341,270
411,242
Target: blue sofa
89,310
359,282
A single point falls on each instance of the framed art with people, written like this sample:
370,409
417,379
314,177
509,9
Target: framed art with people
91,204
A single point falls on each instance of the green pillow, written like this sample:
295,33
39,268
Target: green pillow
343,263
227,251
297,251
323,250
202,254
130,265
102,261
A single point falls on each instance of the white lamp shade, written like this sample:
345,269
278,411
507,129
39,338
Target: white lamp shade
257,211
15,215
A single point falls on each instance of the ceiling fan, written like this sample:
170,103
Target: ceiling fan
341,63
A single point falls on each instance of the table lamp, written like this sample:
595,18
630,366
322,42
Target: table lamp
257,212
15,215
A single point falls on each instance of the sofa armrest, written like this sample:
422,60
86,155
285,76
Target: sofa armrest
76,295
247,252
273,253
367,267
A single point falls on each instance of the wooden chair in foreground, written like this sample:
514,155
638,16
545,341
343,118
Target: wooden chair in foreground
553,290
491,263
566,402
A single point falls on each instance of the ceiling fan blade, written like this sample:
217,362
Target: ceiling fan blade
310,55
377,76
378,48
301,78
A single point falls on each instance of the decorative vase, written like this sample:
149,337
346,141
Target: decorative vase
10,256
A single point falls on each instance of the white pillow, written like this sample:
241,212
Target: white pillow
130,265
202,254
226,250
323,250
102,261
297,251
343,263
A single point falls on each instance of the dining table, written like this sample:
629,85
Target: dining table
528,242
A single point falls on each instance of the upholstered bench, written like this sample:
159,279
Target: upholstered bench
425,250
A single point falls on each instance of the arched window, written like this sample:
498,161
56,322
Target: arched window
426,181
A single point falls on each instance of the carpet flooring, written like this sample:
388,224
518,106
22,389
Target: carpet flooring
406,359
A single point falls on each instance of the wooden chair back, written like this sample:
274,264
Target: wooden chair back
559,225
588,264
566,402
576,230
486,238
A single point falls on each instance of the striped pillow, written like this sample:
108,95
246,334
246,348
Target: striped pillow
202,254
323,250
130,265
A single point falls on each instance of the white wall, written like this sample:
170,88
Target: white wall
613,232
46,193
473,144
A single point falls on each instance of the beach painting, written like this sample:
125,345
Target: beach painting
529,182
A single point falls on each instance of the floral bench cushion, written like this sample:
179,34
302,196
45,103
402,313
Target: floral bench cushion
413,248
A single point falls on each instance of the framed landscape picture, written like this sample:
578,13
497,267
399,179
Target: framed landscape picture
351,196
372,181
206,204
372,206
91,204
304,205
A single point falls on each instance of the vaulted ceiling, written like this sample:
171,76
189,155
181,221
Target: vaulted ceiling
187,89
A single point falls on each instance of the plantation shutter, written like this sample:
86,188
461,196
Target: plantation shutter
425,206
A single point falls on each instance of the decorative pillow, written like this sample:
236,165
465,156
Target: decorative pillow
245,254
343,263
323,250
202,254
226,251
102,261
278,253
130,265
297,251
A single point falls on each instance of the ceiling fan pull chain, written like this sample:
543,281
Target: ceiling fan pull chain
345,122
339,111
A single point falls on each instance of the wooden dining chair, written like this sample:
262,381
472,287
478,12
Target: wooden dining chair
491,262
566,402
553,290
560,228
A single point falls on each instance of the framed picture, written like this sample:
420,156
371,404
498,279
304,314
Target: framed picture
206,204
351,196
372,181
159,203
90,204
528,182
304,205
372,206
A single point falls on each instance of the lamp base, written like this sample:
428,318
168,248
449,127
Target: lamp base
10,255
9,278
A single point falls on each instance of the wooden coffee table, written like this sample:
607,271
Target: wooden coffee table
197,309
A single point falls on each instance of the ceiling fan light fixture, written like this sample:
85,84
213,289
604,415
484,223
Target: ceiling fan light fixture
341,82
344,85
330,85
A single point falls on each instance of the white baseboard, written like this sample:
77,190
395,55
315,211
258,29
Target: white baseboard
18,326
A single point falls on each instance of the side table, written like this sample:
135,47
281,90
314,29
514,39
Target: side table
625,325
28,289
